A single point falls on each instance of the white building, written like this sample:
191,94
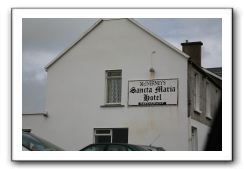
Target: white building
121,83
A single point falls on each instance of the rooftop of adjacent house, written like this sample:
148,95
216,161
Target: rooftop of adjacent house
216,70
213,77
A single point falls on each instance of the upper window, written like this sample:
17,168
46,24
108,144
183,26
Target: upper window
113,80
208,100
197,93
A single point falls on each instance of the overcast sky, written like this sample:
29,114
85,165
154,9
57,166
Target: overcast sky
44,39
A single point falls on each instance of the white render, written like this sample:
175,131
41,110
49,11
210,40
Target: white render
76,90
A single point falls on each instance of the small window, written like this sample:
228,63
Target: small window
114,135
197,93
113,85
208,101
103,135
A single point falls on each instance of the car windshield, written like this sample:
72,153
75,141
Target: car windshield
34,143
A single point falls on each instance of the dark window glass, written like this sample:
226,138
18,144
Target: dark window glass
114,73
120,135
102,139
100,131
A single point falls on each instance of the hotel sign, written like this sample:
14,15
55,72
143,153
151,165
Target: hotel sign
153,92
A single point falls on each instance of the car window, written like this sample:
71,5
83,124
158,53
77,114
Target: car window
34,143
118,148
95,148
31,143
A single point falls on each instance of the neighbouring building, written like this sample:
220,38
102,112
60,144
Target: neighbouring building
121,83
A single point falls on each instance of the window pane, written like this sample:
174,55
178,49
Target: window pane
197,92
114,90
35,143
208,101
114,73
113,86
31,143
101,131
102,139
120,135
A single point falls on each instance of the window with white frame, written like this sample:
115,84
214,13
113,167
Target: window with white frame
113,86
208,100
111,135
103,135
197,92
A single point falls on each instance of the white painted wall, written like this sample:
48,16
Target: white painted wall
76,90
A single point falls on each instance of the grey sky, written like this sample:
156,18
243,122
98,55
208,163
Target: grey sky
44,39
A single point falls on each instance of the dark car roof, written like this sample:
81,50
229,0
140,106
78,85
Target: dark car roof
153,148
132,146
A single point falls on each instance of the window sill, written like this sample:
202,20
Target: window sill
209,117
198,111
112,105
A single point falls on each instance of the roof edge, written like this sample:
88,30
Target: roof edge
72,44
96,24
159,38
205,70
202,70
211,73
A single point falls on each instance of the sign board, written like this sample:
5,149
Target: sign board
153,92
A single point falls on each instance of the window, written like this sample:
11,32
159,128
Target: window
194,140
115,135
120,135
103,136
197,93
113,85
208,100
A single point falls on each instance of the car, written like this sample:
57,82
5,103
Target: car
153,148
113,147
31,142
